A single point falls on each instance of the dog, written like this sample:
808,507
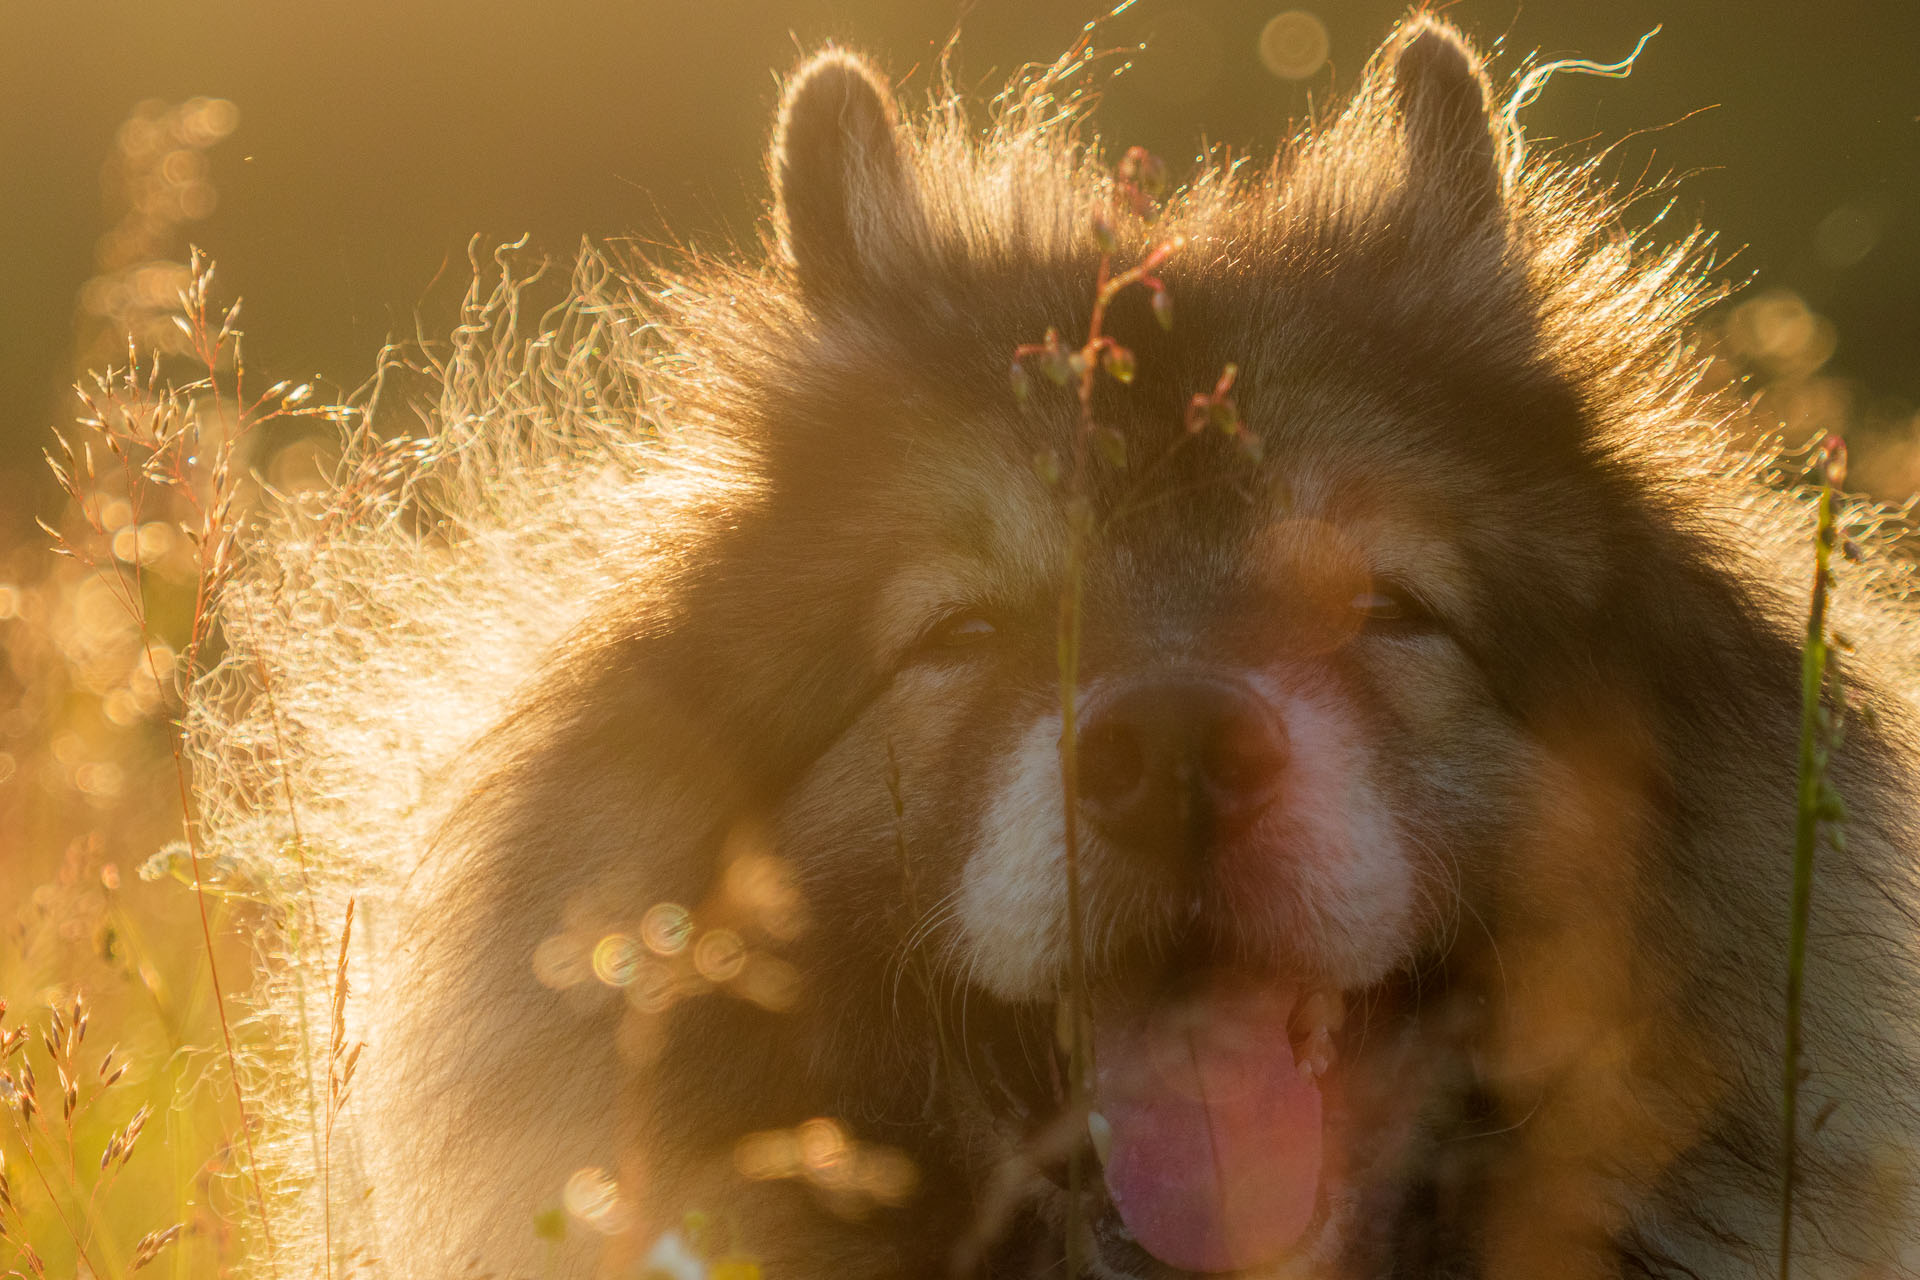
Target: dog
1434,741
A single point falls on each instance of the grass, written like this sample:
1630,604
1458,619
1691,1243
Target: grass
1816,806
148,444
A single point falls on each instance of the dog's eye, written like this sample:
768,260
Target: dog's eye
1389,606
961,629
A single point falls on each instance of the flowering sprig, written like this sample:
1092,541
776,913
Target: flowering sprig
1139,184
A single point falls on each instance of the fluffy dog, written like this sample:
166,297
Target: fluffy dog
690,729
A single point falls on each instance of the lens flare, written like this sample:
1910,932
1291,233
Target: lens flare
1294,44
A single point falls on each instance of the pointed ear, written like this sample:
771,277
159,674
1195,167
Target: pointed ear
1454,143
844,204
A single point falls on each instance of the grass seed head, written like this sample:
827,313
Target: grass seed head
152,1243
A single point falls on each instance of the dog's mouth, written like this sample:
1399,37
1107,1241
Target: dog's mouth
1211,1106
1214,1120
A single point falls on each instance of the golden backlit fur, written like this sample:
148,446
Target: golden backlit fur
633,621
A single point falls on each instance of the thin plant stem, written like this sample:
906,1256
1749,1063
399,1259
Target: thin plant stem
33,1162
1139,179
154,434
214,544
1812,805
1079,532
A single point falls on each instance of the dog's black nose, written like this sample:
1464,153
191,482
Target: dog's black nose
1175,764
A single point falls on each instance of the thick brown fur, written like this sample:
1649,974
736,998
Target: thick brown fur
671,650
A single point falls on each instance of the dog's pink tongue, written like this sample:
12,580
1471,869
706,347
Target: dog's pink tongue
1215,1153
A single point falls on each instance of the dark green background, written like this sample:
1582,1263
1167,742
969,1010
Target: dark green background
376,136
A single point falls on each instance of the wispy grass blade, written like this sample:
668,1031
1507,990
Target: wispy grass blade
1815,804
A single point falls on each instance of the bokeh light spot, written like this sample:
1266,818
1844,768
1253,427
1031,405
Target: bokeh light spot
719,955
616,959
769,982
823,1145
98,780
1294,44
560,962
145,543
1780,334
759,885
763,1156
1847,235
205,121
665,928
594,1198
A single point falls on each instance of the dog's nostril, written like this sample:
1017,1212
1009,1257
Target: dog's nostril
1113,765
1244,761
1175,763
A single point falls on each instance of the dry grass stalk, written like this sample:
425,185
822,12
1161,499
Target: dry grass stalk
20,1092
181,445
152,1243
341,1061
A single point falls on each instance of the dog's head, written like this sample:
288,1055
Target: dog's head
1342,679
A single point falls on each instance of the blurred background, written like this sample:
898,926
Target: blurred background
336,158
359,143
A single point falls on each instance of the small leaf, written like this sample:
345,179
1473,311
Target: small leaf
1163,308
550,1224
1153,176
1103,235
1119,362
1020,381
1112,446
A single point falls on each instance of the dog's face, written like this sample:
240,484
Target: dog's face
1290,770
1294,775
1307,700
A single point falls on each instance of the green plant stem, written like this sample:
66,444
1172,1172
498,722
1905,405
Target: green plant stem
1813,670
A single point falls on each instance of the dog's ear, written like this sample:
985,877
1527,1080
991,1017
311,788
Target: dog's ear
844,203
1455,142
